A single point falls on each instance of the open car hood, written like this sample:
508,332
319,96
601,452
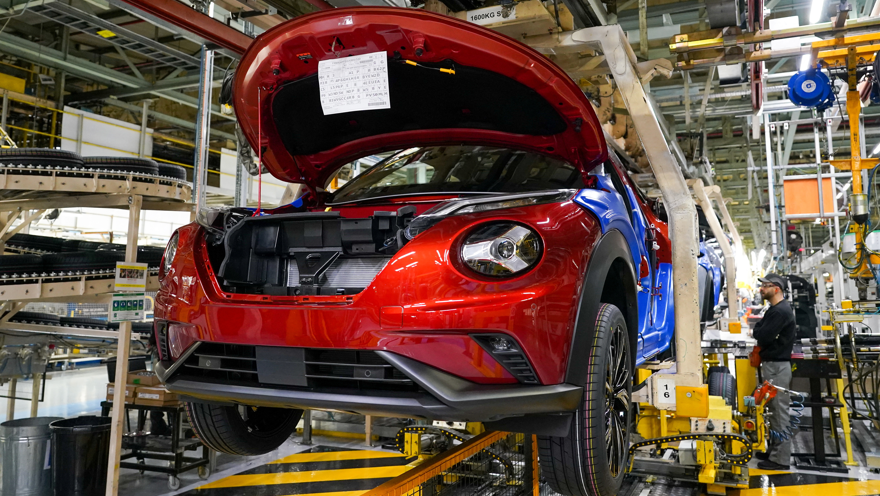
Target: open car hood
492,90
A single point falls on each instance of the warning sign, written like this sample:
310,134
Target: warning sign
350,84
131,276
127,306
491,15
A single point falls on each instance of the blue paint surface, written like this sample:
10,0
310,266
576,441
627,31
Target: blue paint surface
656,317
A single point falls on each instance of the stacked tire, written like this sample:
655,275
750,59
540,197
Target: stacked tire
62,159
44,157
48,255
117,164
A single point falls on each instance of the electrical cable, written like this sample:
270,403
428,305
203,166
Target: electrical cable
794,421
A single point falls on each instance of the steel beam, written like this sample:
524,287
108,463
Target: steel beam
164,85
789,138
189,19
165,118
203,130
54,59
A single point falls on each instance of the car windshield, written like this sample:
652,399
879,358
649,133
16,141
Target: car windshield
464,169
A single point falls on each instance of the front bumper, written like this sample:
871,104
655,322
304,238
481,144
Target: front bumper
442,396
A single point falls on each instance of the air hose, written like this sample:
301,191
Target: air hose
794,421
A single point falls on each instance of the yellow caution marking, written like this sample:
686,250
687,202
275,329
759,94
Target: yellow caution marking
106,33
332,456
335,493
854,488
758,471
299,477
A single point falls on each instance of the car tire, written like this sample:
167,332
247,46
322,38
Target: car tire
140,165
718,368
35,318
224,428
83,322
723,384
82,260
581,464
150,255
171,170
20,264
45,157
34,242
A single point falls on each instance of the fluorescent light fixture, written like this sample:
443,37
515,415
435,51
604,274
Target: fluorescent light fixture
876,149
816,11
805,62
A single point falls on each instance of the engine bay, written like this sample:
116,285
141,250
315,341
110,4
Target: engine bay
306,253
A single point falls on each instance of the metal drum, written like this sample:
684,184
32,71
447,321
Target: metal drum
24,457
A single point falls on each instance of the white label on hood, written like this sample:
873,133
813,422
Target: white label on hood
349,84
491,15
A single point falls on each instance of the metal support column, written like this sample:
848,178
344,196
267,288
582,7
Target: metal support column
79,132
241,193
368,430
142,145
5,109
307,427
61,76
117,426
771,191
10,403
203,128
35,394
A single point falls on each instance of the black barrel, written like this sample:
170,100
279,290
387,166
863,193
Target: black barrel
80,450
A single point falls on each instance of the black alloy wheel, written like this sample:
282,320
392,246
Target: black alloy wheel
591,460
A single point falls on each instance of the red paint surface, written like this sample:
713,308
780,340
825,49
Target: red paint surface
442,302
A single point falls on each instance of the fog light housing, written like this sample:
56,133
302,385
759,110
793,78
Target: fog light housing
180,338
506,351
501,344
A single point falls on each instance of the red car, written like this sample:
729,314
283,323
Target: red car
496,264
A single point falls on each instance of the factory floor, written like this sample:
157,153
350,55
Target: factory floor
333,466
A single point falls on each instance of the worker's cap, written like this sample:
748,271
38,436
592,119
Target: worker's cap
774,279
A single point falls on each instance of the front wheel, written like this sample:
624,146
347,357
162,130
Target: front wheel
242,430
591,459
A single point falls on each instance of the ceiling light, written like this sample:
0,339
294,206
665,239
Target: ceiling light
816,11
876,149
805,62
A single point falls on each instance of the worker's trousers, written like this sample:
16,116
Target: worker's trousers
779,374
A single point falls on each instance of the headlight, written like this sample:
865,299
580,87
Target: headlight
502,249
218,220
168,257
471,205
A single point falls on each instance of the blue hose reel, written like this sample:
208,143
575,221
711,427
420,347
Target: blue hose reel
811,88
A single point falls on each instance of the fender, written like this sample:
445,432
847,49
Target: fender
612,246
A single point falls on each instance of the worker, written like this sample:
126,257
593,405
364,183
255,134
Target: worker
775,334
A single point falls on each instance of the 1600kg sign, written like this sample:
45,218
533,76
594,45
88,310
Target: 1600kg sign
491,15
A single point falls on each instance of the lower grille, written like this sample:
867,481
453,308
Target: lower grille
343,272
310,368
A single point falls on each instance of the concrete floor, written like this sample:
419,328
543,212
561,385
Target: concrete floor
79,392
